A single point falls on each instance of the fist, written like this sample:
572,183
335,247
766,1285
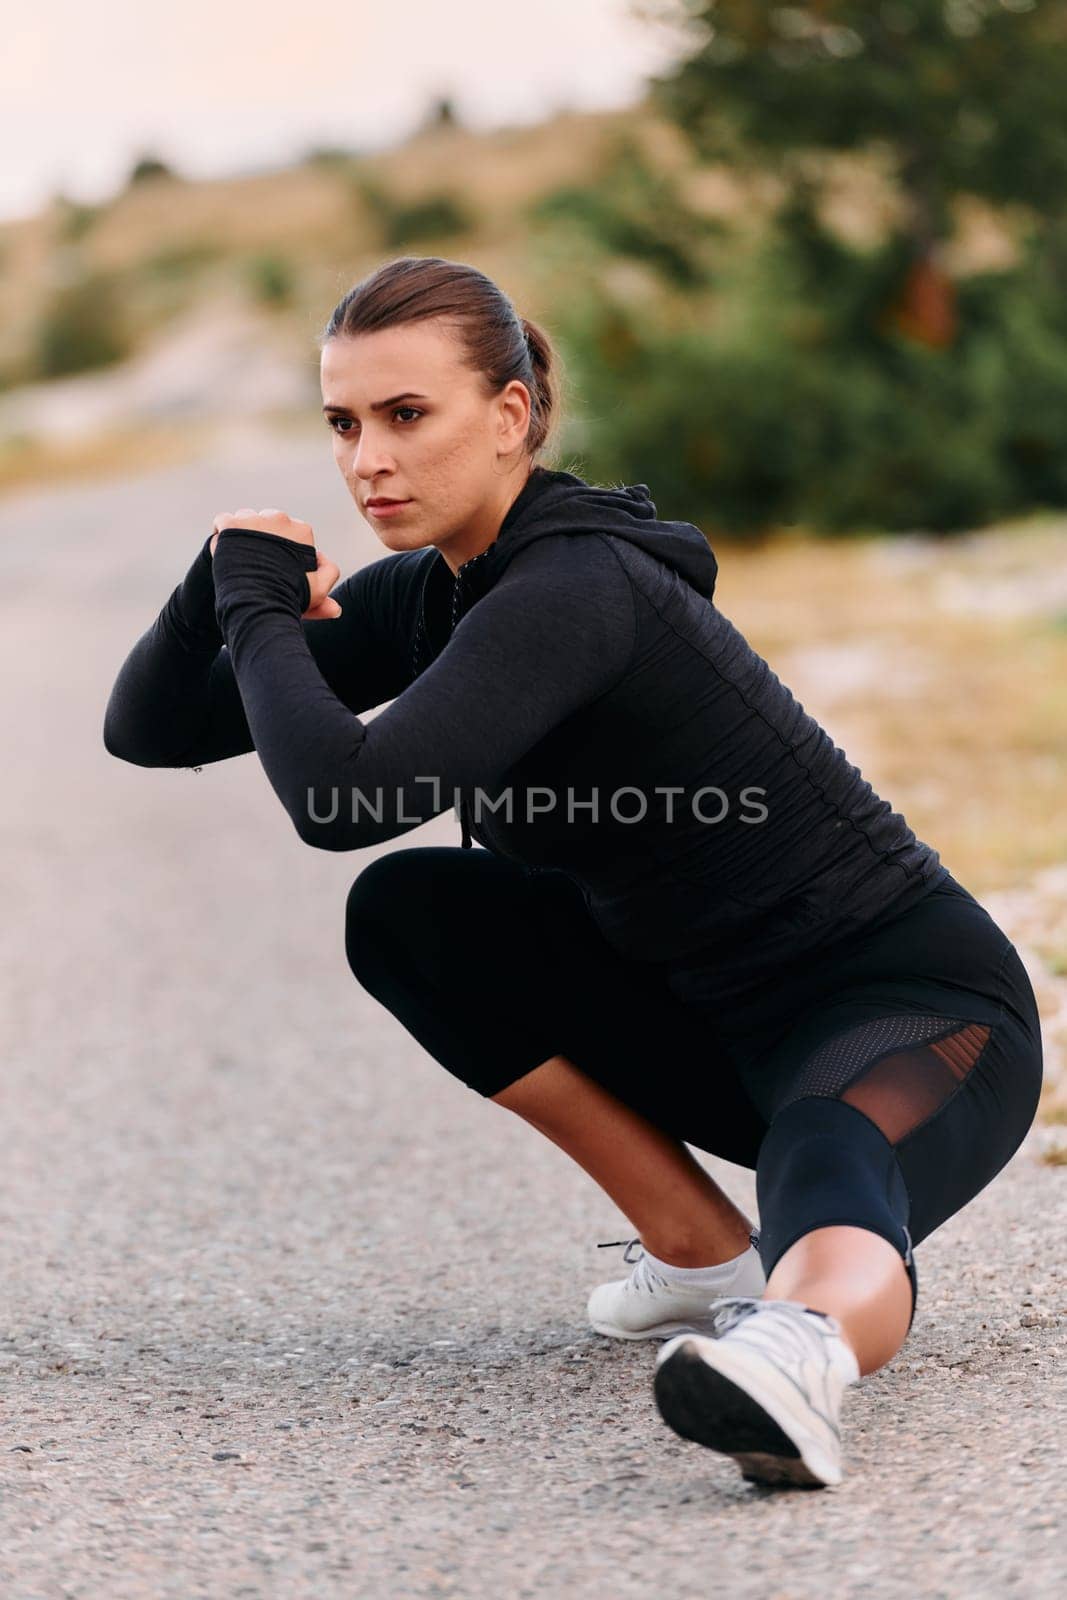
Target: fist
320,582
269,521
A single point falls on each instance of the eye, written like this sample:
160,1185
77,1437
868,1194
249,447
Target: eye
335,422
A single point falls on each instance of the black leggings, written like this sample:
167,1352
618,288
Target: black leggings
881,1086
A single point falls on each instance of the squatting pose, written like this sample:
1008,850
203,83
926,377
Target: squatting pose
691,922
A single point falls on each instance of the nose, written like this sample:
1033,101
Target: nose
371,458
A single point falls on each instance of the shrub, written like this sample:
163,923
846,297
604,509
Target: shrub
147,168
73,219
81,327
629,210
432,216
770,409
271,279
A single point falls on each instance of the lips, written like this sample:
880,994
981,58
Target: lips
372,505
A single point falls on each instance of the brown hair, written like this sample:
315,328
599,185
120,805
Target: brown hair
493,338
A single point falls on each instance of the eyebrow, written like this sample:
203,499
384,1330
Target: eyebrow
378,405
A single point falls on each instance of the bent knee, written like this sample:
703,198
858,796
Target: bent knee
389,898
379,901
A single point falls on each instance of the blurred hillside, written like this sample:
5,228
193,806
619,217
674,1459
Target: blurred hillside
286,241
132,331
814,281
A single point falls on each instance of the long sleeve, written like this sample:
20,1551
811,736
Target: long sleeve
555,632
163,689
176,701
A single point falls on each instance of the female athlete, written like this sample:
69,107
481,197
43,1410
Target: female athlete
691,920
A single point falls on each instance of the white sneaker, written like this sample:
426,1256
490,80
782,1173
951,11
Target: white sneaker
766,1388
650,1305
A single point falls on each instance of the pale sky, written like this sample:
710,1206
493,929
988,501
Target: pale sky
219,86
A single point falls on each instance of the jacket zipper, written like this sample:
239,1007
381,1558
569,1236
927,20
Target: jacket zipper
465,832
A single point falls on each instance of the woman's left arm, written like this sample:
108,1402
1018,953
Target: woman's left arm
554,633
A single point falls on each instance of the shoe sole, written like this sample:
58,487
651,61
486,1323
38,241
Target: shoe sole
702,1404
701,1322
661,1330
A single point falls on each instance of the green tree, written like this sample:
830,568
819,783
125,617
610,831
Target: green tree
147,168
629,209
442,113
965,96
812,381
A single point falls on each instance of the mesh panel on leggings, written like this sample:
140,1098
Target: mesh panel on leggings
897,1070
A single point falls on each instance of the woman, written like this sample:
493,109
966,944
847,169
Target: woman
693,921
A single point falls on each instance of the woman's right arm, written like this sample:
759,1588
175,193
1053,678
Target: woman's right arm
175,702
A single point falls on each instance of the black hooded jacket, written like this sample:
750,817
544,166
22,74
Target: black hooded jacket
574,691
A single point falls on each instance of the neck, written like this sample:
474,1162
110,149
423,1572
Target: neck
480,533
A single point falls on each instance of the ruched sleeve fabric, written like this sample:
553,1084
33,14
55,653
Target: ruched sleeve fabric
176,701
553,634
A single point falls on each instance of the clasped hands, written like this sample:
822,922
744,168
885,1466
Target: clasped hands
320,582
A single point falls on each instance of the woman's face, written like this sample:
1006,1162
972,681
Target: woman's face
455,458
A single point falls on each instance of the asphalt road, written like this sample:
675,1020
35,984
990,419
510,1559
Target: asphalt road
288,1311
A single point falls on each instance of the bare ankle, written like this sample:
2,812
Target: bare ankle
703,1252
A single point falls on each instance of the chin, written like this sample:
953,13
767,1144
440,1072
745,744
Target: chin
401,538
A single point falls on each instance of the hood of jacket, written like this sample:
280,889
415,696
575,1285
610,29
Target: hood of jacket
552,502
561,502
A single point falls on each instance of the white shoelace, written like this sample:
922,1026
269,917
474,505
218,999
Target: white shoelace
644,1275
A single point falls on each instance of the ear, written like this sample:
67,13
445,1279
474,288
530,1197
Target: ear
514,423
